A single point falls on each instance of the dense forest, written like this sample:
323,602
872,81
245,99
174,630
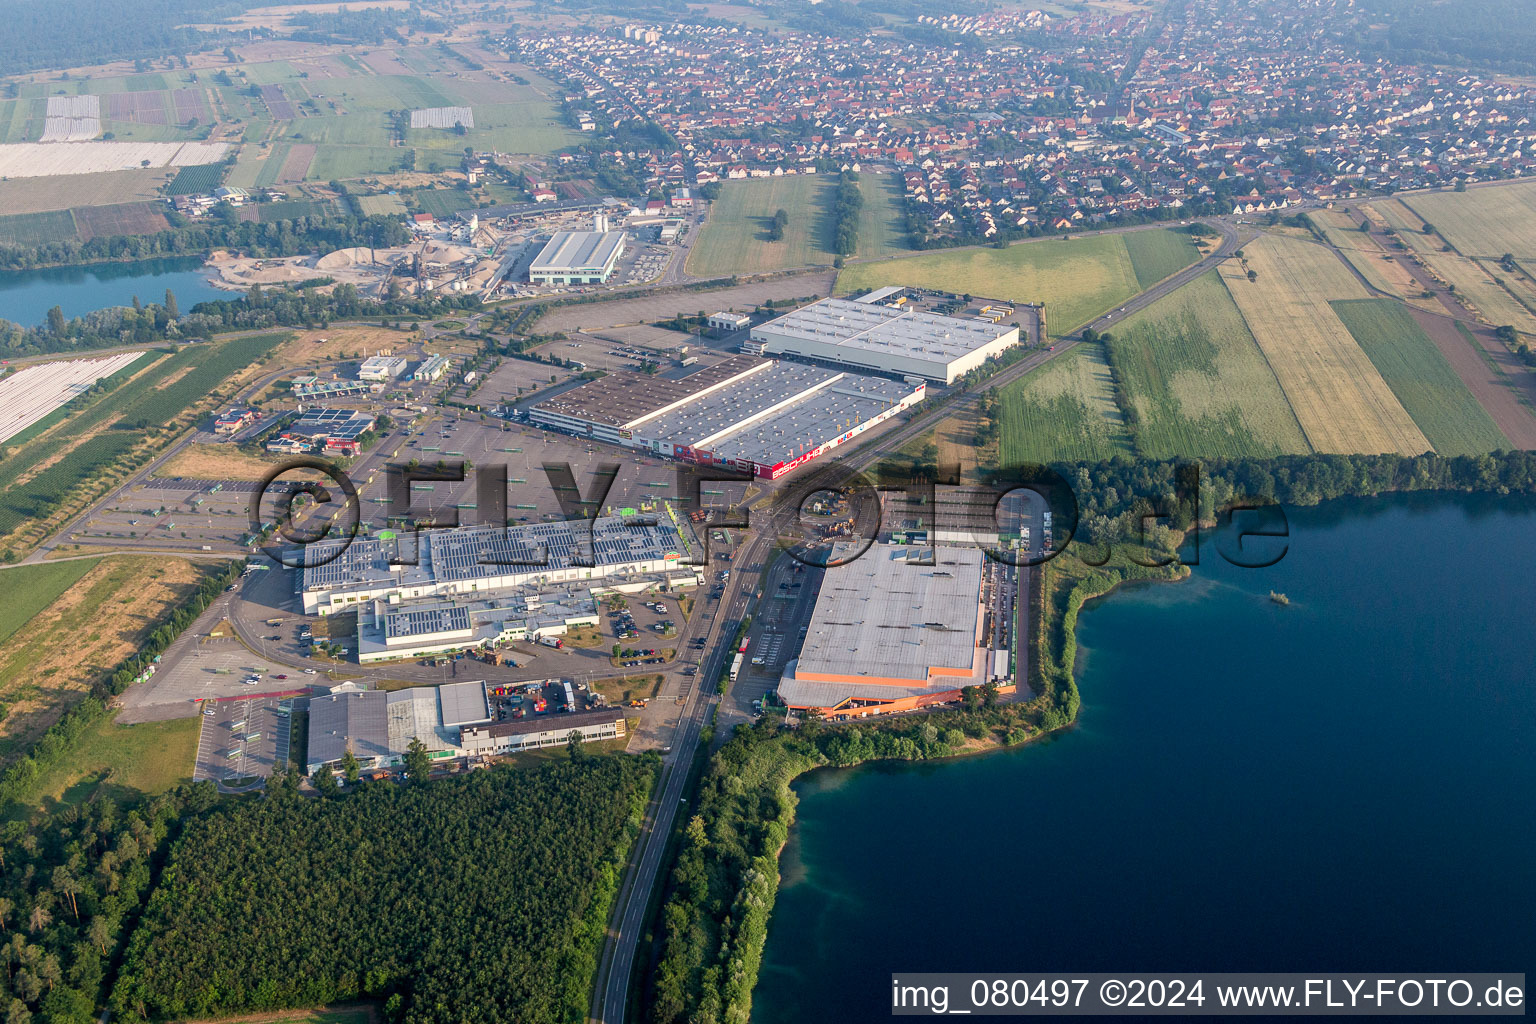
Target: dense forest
71,886
223,230
481,897
72,33
1493,33
372,25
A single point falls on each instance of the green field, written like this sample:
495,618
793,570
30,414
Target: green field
507,127
1156,255
342,162
735,237
1198,381
30,229
1062,410
193,180
882,231
31,588
1078,279
131,759
443,202
1419,375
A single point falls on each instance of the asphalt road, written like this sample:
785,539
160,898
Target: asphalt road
629,918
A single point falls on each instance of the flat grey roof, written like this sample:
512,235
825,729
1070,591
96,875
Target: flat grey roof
358,719
578,250
777,415
886,616
408,622
476,552
874,328
464,703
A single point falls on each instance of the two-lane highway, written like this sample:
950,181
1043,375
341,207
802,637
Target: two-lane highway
646,864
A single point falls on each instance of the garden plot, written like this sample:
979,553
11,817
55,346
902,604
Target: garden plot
138,107
47,159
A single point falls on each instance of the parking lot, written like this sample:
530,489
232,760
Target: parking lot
243,737
206,668
774,639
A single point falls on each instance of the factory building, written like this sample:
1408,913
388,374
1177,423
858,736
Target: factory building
432,368
543,731
762,416
725,322
381,368
378,727
872,335
577,257
892,633
475,562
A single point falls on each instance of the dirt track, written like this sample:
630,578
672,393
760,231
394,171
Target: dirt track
648,308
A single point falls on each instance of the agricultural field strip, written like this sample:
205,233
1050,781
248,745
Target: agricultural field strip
28,395
46,159
1338,395
1421,377
1486,222
1367,256
1065,409
1198,381
1474,284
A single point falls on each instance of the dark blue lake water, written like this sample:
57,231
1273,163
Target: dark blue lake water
27,295
1345,783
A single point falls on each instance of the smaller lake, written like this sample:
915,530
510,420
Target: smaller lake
26,296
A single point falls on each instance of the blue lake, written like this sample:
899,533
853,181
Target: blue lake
1344,783
27,295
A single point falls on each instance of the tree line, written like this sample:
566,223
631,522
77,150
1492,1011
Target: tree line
847,201
222,230
287,306
721,891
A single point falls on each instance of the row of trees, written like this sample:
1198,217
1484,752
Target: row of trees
479,897
287,306
847,201
222,230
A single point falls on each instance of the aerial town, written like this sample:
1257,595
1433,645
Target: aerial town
498,498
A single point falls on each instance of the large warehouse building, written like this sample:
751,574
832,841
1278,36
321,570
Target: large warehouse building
871,335
378,726
479,560
759,415
577,257
891,633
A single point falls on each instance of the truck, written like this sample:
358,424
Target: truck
552,641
